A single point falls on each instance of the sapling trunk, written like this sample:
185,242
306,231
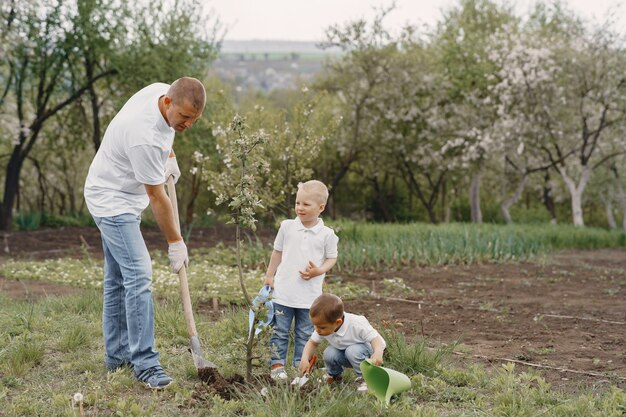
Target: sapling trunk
240,268
251,334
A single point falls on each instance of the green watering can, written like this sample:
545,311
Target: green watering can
384,382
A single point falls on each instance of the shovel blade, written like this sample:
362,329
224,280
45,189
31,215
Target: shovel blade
196,353
300,380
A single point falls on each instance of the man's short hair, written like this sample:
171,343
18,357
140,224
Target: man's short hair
188,89
327,307
316,188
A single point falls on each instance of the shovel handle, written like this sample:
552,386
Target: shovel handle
182,274
312,362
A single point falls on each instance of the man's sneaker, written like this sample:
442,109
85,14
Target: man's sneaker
278,373
332,379
361,384
154,378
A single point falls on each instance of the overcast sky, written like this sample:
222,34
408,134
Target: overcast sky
307,19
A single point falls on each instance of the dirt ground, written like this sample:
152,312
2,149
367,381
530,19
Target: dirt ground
566,311
73,241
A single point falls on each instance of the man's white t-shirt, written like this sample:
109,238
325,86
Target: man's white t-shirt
355,329
133,152
299,245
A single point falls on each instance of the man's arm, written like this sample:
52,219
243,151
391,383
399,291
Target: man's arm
163,212
277,257
164,215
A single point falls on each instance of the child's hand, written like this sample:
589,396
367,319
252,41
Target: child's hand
304,367
269,281
377,358
311,271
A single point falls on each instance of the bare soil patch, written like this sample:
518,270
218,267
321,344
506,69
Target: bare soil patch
497,311
32,290
508,311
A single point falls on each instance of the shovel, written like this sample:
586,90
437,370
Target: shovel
301,380
206,370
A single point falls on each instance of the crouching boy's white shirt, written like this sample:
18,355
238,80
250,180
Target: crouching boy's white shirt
299,245
133,152
354,330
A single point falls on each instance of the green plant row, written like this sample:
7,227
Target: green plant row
34,220
399,246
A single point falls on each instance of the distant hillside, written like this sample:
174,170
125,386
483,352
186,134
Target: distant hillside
272,47
268,65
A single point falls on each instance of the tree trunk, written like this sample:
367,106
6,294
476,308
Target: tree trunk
517,195
477,215
95,111
432,216
331,209
11,186
445,206
623,201
382,200
576,192
621,195
196,181
608,208
547,198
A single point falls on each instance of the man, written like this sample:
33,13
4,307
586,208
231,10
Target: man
125,176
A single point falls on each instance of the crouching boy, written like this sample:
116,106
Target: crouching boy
351,337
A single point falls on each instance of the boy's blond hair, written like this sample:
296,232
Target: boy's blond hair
327,307
316,188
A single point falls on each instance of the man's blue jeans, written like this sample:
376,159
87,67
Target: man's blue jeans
279,340
336,360
128,313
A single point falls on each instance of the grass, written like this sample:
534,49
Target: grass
211,273
415,357
52,348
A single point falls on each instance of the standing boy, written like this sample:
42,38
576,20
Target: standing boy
304,250
351,337
125,176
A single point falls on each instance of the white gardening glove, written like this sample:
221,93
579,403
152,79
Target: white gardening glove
177,252
171,169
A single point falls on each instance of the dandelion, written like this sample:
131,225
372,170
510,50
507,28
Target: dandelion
78,398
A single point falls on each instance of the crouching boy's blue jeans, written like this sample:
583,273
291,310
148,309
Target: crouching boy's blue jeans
128,312
279,340
336,360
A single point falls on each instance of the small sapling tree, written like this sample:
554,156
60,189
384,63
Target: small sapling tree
235,182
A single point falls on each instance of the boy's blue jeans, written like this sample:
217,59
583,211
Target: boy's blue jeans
128,312
336,360
279,340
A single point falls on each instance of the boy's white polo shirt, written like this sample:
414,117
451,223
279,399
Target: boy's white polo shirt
355,329
299,245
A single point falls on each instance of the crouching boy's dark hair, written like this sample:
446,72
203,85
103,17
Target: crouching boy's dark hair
327,307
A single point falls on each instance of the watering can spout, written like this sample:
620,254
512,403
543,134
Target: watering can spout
384,382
